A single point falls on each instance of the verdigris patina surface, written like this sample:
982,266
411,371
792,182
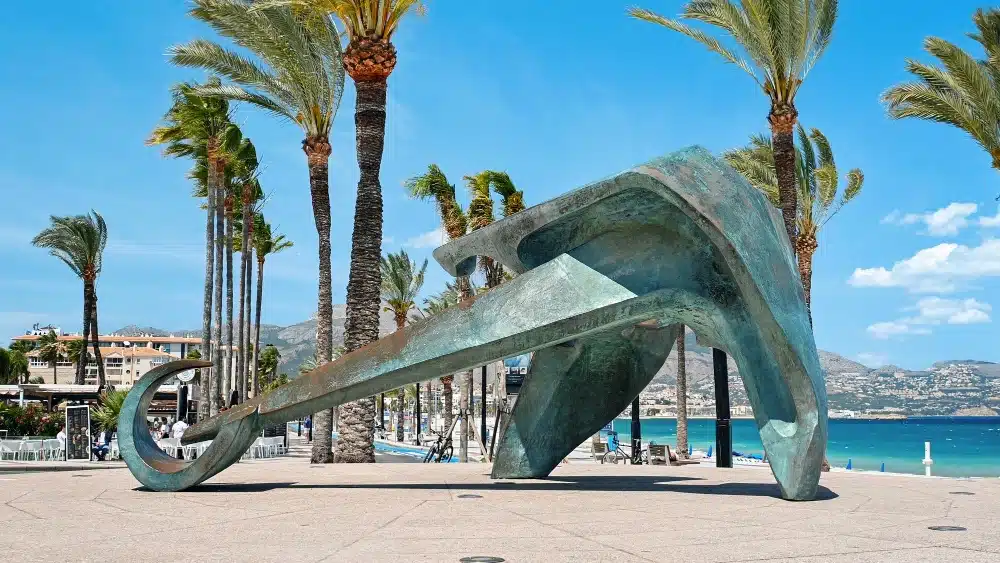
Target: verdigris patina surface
608,273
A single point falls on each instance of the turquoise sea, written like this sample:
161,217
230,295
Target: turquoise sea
960,446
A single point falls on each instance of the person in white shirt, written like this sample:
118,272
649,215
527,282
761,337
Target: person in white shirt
178,429
61,436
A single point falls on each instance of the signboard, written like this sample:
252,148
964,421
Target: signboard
186,376
279,429
516,369
78,432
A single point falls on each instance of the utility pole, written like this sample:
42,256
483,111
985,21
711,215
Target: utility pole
482,410
636,432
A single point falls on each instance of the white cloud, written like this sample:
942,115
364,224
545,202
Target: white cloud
940,269
943,222
932,311
432,239
993,221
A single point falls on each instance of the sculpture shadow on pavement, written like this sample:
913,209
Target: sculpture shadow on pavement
607,276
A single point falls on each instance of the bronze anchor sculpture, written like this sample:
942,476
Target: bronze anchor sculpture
607,275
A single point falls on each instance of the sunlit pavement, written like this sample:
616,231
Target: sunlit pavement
287,510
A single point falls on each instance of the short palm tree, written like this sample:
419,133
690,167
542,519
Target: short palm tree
817,184
434,185
296,73
266,242
79,242
13,366
511,199
401,283
267,365
783,40
962,92
75,349
480,215
108,409
199,127
51,350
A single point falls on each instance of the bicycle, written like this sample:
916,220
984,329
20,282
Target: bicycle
613,456
442,449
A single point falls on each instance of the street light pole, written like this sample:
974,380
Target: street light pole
723,424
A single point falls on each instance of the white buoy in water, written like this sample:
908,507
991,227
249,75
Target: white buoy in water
928,462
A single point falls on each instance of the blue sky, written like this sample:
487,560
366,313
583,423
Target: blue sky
557,97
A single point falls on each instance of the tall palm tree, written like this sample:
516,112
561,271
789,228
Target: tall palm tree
79,242
434,185
296,73
198,127
266,243
963,91
682,413
51,350
401,282
369,59
783,40
817,184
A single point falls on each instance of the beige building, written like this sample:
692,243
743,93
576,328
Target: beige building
126,358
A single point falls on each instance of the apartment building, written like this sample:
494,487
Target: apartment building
126,358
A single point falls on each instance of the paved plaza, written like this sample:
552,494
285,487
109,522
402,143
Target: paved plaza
286,510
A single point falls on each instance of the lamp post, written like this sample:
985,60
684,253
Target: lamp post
636,433
482,408
416,423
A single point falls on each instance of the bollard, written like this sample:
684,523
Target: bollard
928,462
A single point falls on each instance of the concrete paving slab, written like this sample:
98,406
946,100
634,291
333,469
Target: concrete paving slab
285,510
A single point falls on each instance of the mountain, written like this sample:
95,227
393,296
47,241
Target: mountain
947,387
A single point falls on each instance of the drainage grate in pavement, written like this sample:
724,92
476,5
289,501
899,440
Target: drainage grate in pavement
470,496
482,559
81,475
961,493
946,528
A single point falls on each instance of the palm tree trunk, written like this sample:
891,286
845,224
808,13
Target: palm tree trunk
244,314
448,396
364,282
682,414
318,155
205,376
81,364
782,119
465,403
217,367
245,344
400,399
805,248
227,385
55,374
256,324
95,338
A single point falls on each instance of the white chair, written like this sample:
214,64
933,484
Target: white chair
113,450
30,449
169,446
52,449
8,449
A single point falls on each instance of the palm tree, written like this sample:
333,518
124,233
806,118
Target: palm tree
267,365
369,59
13,366
296,73
682,414
511,200
110,405
434,185
783,40
75,349
401,282
962,92
817,184
51,350
79,242
199,127
266,243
